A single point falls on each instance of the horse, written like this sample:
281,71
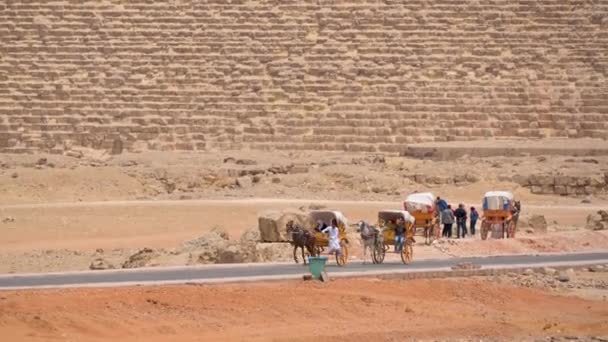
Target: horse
301,238
368,238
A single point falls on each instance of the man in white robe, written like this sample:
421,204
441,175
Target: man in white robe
334,237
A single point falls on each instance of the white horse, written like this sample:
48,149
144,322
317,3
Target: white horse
368,238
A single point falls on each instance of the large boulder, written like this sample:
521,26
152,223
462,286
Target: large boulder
272,225
538,223
597,221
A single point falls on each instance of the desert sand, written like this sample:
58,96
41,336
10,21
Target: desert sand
342,310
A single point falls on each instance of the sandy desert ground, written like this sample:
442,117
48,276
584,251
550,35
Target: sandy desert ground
62,212
508,308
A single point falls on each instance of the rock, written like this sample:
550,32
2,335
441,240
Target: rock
250,236
530,231
117,147
14,175
100,264
586,200
538,223
74,154
324,277
230,255
245,162
244,182
563,277
528,271
597,221
220,232
272,225
140,259
596,268
8,220
266,252
276,180
548,271
41,161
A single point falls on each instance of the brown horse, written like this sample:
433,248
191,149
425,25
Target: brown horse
303,239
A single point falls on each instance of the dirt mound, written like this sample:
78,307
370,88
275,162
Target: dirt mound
142,258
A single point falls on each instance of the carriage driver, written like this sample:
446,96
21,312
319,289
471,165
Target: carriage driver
334,237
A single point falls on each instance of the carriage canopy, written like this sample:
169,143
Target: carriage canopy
422,201
497,200
390,215
327,215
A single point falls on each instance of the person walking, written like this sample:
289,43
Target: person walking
334,238
474,216
461,221
447,217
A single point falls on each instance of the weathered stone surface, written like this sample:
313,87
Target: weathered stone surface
538,223
271,225
295,76
597,221
142,258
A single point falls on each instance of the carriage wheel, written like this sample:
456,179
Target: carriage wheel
378,253
342,259
484,230
407,253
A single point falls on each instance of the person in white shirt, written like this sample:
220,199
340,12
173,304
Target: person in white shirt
334,237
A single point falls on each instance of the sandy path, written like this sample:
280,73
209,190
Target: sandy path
125,224
353,310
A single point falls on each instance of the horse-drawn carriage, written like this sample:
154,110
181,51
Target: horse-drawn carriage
322,240
500,214
385,236
313,242
422,207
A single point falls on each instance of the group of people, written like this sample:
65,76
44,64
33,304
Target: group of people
449,216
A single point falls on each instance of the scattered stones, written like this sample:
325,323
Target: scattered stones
244,182
8,219
100,264
548,271
140,259
597,221
563,276
528,271
596,268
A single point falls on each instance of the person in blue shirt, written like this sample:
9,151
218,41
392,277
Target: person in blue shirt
473,216
441,204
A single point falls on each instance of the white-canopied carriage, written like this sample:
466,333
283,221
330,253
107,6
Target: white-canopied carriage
500,213
423,208
385,238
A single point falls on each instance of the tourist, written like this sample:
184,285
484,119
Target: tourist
473,217
461,221
334,237
399,234
441,205
447,217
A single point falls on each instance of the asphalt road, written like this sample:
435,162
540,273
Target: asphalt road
225,273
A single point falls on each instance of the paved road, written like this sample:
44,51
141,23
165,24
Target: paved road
226,273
